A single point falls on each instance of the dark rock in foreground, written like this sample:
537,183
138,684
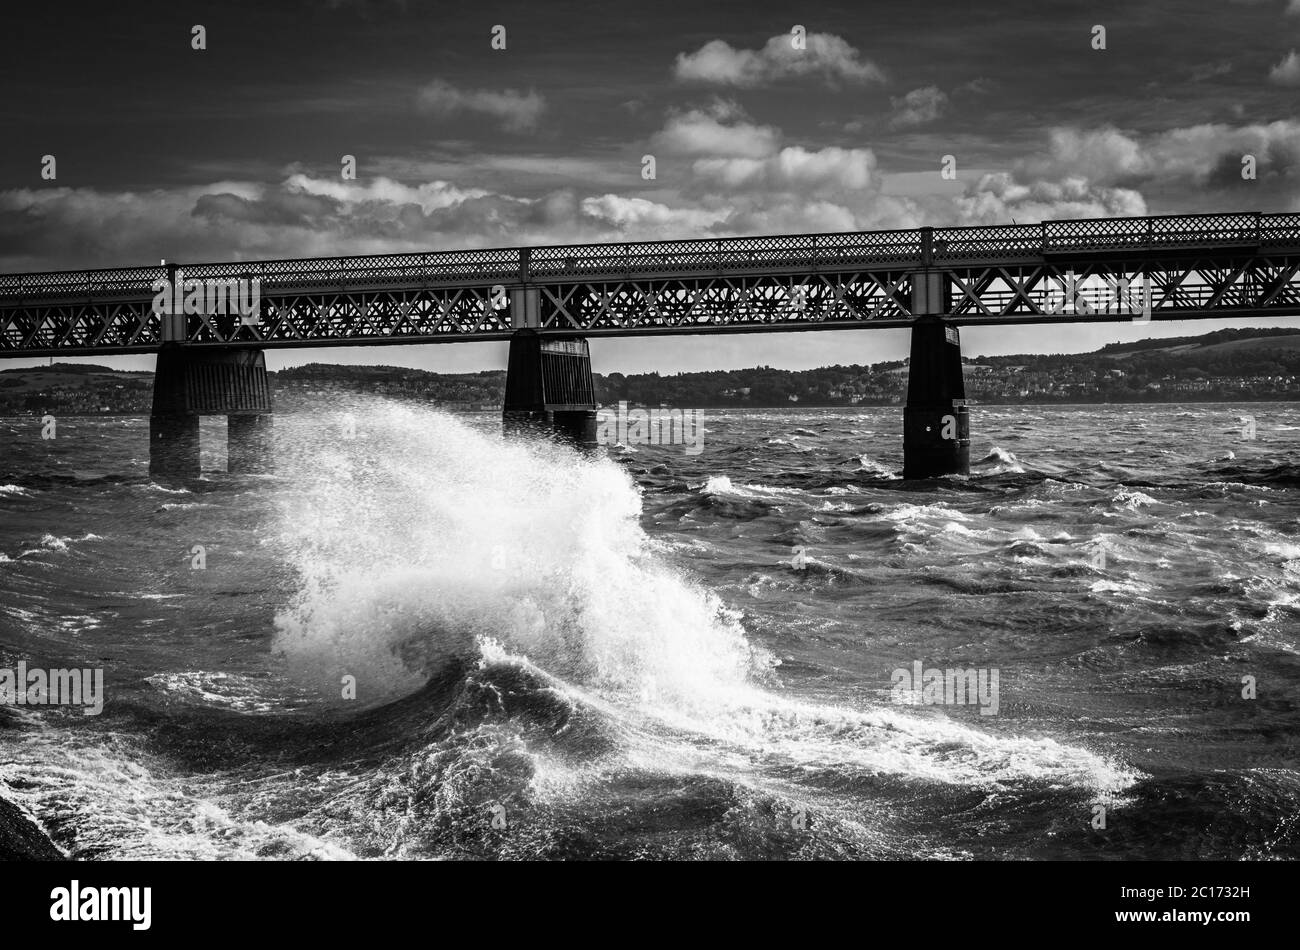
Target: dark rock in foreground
21,840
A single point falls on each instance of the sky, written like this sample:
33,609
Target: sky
236,151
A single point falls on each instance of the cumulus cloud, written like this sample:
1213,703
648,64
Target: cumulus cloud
698,132
1105,171
515,111
1192,157
1287,72
1078,174
428,196
1000,198
917,107
1105,155
726,149
762,184
637,215
824,55
822,171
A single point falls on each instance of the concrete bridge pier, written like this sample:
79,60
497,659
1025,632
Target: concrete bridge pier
191,382
936,421
550,390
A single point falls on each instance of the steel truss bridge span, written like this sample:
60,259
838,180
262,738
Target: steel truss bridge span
1109,269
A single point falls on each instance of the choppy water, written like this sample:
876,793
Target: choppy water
663,655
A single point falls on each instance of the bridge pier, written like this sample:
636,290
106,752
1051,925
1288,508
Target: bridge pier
936,421
550,390
193,382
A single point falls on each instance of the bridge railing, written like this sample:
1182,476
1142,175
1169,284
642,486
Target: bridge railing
1280,230
1154,233
1162,232
723,255
106,282
431,267
988,243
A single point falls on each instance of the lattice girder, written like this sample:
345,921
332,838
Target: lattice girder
1194,265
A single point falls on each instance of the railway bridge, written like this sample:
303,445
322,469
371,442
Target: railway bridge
209,324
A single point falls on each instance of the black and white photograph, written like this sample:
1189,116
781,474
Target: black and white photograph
853,434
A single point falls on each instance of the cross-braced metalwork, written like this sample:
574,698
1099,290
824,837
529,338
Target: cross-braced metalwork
1174,266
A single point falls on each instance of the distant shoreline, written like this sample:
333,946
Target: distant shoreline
790,408
1257,365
